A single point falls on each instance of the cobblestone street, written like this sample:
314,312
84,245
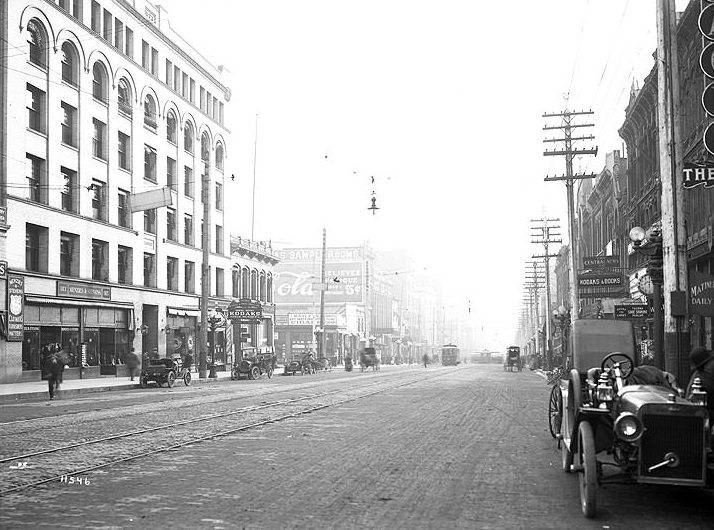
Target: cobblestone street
458,448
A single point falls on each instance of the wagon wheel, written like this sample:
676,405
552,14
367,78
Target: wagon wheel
254,372
555,410
187,378
270,372
170,379
587,470
575,401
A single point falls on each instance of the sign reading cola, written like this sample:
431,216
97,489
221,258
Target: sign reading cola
601,285
701,293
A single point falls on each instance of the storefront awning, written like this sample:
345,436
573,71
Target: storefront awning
84,303
183,311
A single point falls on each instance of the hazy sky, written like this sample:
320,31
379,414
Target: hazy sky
441,101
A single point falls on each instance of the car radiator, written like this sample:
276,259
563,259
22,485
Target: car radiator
665,435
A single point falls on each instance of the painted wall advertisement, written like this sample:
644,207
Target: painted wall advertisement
297,276
16,308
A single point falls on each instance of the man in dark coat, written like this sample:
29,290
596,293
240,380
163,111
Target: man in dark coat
53,368
133,362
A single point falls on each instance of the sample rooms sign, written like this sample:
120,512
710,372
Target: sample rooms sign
298,274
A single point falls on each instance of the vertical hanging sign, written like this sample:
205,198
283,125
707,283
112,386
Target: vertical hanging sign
16,308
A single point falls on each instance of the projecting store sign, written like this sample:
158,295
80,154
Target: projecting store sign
701,293
601,262
632,311
246,311
601,285
698,174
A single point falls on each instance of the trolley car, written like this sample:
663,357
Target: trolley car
449,355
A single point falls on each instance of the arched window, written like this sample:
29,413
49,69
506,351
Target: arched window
70,72
219,157
188,137
37,41
205,147
99,82
150,112
254,285
171,128
261,294
245,283
236,283
269,287
124,97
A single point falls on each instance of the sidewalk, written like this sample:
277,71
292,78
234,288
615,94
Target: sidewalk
37,390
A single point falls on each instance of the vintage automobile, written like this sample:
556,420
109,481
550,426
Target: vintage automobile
166,371
293,366
368,358
610,431
253,367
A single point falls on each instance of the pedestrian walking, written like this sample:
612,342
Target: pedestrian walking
425,359
133,362
53,368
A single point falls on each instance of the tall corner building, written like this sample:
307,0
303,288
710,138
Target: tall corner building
113,133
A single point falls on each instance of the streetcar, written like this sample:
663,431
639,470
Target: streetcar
449,355
513,359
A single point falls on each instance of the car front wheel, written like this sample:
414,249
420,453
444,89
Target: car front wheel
587,470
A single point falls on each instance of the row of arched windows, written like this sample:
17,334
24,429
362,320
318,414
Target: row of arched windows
38,55
253,284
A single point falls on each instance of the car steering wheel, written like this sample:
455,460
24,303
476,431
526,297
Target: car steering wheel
626,363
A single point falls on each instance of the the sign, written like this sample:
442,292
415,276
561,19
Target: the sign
84,290
149,200
310,319
245,310
601,285
632,311
601,262
16,308
701,293
3,268
706,60
698,174
706,22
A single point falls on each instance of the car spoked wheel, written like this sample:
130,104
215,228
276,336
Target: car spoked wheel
254,372
587,469
555,411
187,378
170,379
270,372
144,381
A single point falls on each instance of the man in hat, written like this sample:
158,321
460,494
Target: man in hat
703,364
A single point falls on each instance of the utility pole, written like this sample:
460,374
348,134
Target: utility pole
205,270
546,238
569,152
323,288
534,285
674,237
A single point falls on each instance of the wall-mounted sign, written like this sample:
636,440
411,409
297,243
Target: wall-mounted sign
699,174
701,293
16,308
601,262
3,268
632,311
84,290
245,310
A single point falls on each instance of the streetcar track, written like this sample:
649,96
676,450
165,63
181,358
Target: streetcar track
193,439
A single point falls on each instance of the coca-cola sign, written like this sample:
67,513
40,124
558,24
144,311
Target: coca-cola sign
299,283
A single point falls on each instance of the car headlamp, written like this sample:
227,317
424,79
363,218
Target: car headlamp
604,392
628,427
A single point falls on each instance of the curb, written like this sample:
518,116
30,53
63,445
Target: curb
73,392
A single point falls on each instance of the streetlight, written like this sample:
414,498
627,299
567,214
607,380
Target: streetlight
561,317
649,243
214,319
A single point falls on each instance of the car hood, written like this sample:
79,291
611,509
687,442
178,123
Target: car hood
633,397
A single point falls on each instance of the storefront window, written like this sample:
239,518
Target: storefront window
91,341
31,348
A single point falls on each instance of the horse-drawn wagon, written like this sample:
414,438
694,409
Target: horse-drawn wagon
368,358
